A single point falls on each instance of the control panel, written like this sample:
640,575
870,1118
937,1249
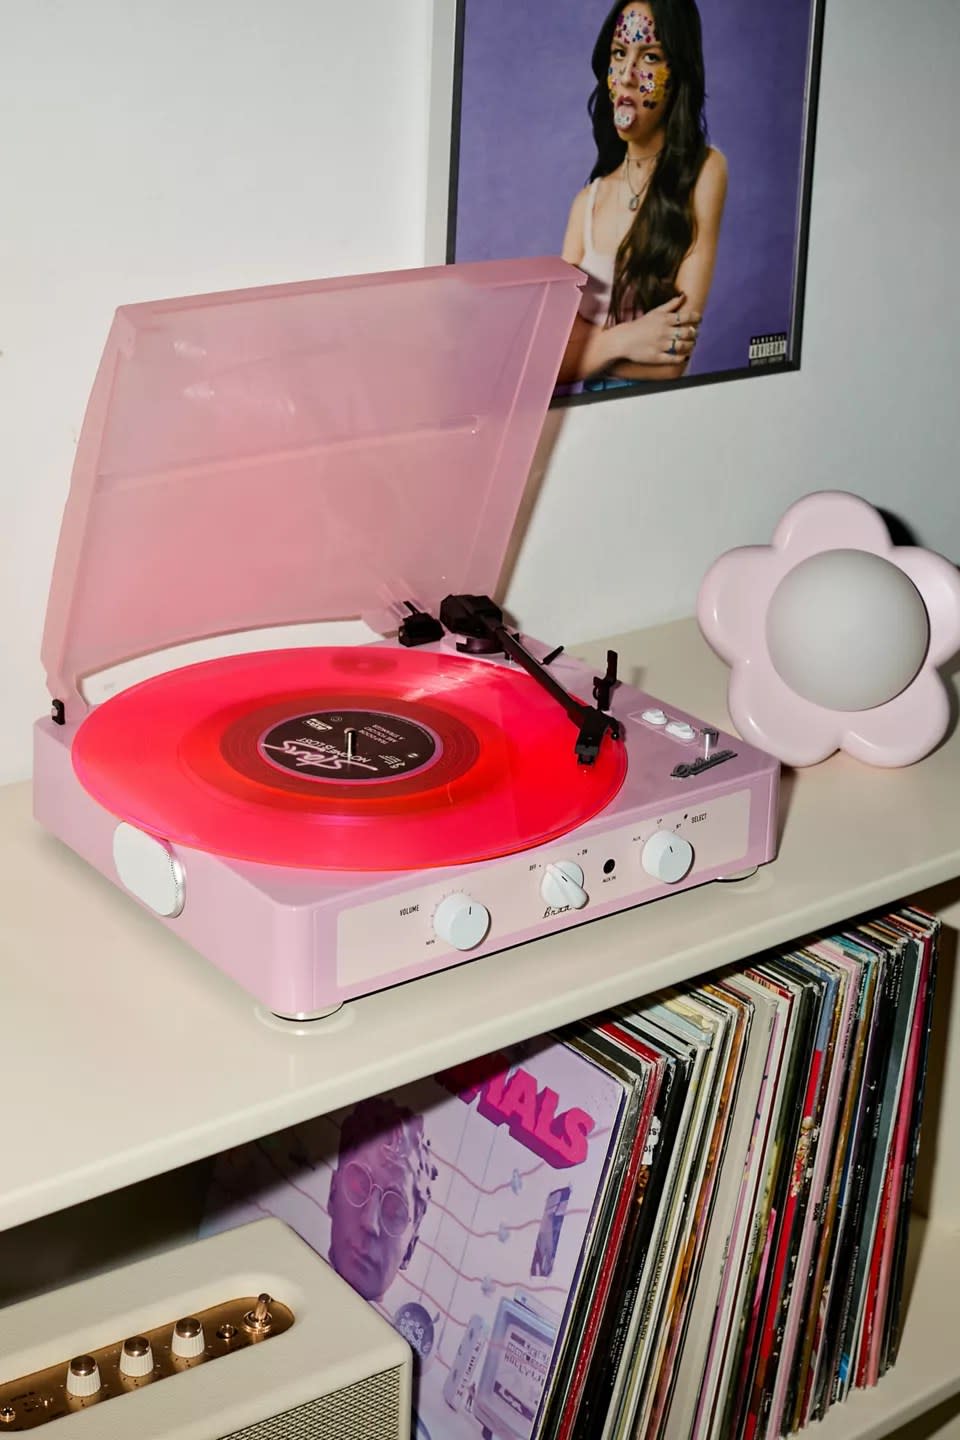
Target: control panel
110,1371
519,895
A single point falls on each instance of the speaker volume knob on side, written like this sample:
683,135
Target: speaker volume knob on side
83,1377
461,921
667,856
148,868
188,1341
136,1358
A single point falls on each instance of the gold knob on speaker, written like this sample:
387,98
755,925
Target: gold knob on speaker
83,1377
136,1358
188,1343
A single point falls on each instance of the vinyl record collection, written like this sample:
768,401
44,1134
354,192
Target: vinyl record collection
686,1218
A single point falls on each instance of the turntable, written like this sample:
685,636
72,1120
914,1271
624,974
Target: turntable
323,821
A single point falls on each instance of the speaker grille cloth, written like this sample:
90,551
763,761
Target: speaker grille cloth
368,1410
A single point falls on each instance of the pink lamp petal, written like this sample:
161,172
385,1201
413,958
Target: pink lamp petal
905,729
938,581
732,601
768,714
831,520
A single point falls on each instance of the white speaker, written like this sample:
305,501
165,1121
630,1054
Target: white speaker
244,1336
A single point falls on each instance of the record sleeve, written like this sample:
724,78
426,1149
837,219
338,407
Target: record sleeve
460,1207
842,1311
905,953
787,1381
631,1372
635,1072
883,1262
708,1033
822,984
720,1238
867,1277
868,1369
770,1022
893,1326
784,1139
732,1018
839,1274
814,1348
874,1303
642,1226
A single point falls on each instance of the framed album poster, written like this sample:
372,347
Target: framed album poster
665,147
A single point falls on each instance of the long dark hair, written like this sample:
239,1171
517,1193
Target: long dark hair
652,249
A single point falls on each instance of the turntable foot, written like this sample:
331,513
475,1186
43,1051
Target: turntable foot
299,1018
740,874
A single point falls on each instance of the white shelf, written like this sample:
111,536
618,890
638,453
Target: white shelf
124,1054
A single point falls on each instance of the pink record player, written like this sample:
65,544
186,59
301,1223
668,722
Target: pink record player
323,821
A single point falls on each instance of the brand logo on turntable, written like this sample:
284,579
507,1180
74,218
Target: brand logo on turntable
705,762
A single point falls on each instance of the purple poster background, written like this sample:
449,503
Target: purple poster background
526,146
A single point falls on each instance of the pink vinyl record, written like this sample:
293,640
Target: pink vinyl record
354,758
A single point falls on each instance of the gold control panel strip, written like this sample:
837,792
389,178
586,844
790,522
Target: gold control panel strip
114,1370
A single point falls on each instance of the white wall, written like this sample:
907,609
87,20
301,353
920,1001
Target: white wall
194,145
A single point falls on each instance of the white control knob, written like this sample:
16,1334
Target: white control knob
461,921
667,856
188,1341
562,886
136,1357
83,1377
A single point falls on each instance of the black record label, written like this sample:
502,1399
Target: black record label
353,745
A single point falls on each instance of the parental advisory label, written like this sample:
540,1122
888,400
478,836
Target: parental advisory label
768,349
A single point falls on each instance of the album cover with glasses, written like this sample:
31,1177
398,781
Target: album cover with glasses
460,1206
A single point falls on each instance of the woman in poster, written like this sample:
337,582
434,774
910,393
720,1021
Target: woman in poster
644,230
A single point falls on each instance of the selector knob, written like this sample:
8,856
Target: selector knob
83,1377
188,1341
136,1357
667,856
681,730
562,885
461,921
259,1319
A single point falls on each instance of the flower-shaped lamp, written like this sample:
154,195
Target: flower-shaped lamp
834,635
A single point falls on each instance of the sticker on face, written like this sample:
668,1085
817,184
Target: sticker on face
638,77
635,27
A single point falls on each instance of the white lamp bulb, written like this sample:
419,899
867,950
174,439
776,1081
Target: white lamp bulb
847,630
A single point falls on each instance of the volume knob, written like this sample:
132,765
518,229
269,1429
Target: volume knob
188,1341
136,1357
83,1377
461,921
